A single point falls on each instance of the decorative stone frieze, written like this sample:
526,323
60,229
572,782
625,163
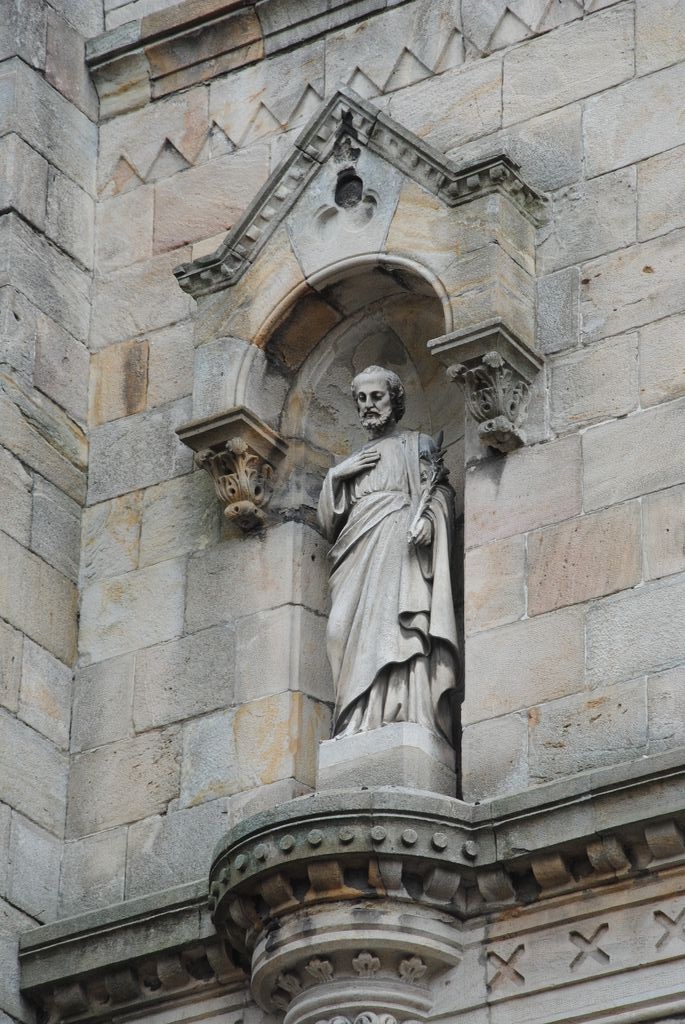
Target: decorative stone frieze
495,370
241,454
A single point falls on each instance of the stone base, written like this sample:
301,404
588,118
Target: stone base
404,754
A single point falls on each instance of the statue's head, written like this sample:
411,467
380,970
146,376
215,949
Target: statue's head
379,397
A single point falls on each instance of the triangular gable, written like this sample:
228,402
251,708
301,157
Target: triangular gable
347,119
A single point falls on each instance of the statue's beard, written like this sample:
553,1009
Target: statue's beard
375,422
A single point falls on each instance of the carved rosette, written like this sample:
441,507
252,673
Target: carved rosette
241,453
497,398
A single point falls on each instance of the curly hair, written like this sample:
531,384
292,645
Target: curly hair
395,388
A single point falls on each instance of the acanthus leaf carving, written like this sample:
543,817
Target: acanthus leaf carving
243,481
497,398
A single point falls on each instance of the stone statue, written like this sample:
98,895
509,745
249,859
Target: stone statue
388,511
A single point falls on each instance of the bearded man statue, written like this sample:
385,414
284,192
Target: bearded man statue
388,512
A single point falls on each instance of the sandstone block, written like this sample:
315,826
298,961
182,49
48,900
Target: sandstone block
170,364
176,848
138,451
250,574
65,66
48,122
136,610
594,383
583,58
24,31
636,633
494,584
581,732
25,754
589,219
453,108
666,710
111,536
229,372
23,180
495,757
123,782
45,696
34,868
88,20
138,298
282,649
15,498
44,606
61,368
71,218
12,924
530,488
524,663
184,678
491,24
124,227
659,34
5,815
663,517
584,558
56,528
661,194
102,704
264,798
179,517
118,381
17,332
634,456
662,361
93,871
10,666
620,127
558,310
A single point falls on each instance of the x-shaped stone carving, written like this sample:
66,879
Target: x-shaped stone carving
672,929
589,947
504,967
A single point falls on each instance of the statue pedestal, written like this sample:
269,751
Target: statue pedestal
403,754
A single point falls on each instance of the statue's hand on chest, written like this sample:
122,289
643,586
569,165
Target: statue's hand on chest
356,464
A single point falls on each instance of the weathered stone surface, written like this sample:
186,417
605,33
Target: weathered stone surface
521,664
128,612
124,229
589,219
256,744
558,310
15,498
24,31
661,194
34,868
25,754
179,517
185,678
584,58
282,649
530,488
45,696
582,732
584,558
10,666
664,532
111,536
634,456
123,782
12,924
23,180
636,633
620,127
245,575
71,218
633,287
37,599
666,710
264,798
138,451
93,871
118,382
138,298
493,24
494,584
82,15
65,67
662,361
659,34
5,813
176,848
594,383
455,107
61,368
102,705
505,769
231,372
56,528
48,123
170,364
17,332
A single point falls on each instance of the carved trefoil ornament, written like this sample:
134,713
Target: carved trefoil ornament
241,453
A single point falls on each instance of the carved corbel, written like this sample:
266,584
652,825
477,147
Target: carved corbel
241,453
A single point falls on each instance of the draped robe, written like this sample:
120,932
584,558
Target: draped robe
391,638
